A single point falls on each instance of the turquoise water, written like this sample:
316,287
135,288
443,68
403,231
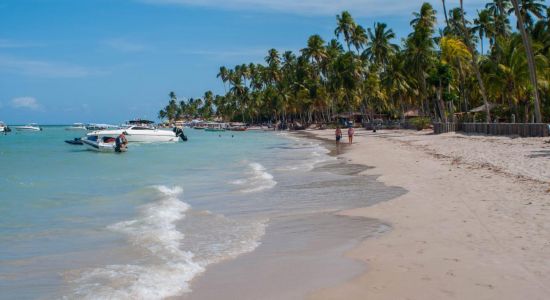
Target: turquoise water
77,224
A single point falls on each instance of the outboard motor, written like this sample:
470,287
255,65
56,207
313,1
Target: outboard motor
180,134
7,129
118,144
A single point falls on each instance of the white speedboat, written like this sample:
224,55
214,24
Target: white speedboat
29,127
102,144
142,134
4,128
76,127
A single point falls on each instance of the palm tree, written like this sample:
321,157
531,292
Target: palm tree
162,114
499,11
345,26
445,13
358,38
530,60
420,48
223,75
466,36
315,49
527,9
483,26
379,48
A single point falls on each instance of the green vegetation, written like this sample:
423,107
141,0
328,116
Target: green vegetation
421,122
440,73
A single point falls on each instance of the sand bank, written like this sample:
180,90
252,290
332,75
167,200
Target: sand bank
475,223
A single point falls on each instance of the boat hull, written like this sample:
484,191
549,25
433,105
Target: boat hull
100,147
76,128
153,136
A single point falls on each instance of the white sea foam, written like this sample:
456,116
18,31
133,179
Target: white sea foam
165,270
310,154
154,230
258,179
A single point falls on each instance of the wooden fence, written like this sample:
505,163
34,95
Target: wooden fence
518,129
444,127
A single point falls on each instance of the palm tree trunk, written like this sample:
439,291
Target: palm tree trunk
475,66
530,61
445,13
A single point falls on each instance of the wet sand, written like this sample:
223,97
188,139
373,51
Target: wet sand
298,255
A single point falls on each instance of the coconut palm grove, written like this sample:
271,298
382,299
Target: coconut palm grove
496,63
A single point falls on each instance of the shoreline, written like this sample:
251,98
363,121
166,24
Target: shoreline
302,253
466,228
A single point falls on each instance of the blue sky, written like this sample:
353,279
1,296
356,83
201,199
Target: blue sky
64,61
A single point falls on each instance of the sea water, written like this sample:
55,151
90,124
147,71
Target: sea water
77,224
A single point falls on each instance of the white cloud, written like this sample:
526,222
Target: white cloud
370,8
227,53
6,43
124,45
26,102
43,68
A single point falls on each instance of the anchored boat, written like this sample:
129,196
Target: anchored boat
143,134
29,127
4,128
76,127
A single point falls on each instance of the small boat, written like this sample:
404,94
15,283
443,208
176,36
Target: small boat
4,128
212,126
237,126
29,127
75,141
103,144
76,126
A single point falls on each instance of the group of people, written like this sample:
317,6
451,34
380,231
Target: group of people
338,133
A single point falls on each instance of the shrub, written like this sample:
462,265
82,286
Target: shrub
421,123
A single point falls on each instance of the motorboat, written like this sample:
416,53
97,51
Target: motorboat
4,128
142,134
213,126
76,127
237,126
103,144
29,127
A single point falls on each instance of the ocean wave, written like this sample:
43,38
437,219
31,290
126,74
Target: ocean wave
154,231
165,270
258,179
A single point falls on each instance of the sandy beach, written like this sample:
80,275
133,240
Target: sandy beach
473,224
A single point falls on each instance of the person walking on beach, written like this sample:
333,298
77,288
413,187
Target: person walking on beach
338,134
351,131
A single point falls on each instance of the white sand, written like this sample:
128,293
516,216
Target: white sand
475,223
